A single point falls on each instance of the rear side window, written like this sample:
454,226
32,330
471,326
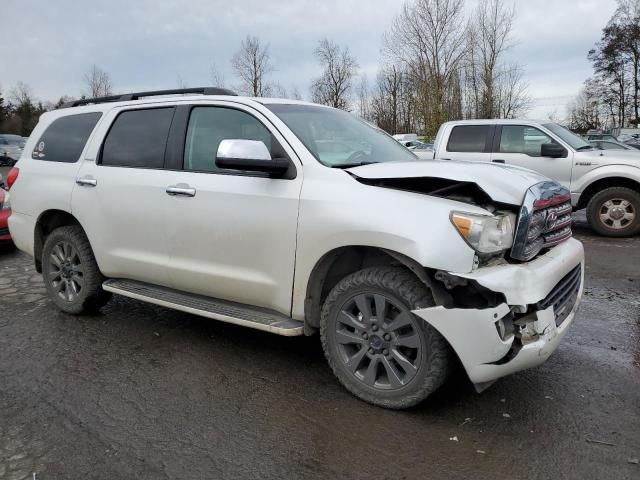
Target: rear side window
138,138
65,138
468,138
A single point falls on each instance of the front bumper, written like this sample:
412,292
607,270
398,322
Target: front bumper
473,335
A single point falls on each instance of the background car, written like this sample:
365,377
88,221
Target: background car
10,149
5,212
610,145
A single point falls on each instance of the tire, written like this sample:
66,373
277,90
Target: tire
608,204
380,350
70,272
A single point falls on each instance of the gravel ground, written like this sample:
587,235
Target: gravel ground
140,391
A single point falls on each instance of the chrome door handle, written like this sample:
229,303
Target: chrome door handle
87,182
184,191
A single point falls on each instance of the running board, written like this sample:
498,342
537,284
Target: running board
230,312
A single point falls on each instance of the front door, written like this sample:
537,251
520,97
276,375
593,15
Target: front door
520,145
234,234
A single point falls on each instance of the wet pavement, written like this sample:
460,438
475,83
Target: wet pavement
145,392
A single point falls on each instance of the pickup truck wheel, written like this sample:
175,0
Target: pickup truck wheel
615,212
70,272
377,348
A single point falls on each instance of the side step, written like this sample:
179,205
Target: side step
231,312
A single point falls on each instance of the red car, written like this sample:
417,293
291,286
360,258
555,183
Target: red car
5,211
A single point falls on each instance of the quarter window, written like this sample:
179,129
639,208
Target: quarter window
522,139
468,138
208,126
138,138
65,138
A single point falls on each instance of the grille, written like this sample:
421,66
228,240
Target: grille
563,296
4,231
544,221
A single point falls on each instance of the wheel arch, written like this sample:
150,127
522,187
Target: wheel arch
336,264
606,182
47,222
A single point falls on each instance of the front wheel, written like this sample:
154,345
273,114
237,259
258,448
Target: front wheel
377,348
70,272
615,212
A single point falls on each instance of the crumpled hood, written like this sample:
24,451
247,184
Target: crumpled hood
503,183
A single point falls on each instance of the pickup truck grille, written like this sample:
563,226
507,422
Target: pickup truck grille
544,221
564,295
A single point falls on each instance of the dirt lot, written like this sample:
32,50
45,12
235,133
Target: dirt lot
145,392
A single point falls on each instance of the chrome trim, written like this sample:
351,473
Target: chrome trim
174,190
539,191
87,182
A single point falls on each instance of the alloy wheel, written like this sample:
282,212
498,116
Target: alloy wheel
66,274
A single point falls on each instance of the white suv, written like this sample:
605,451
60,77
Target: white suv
605,182
295,218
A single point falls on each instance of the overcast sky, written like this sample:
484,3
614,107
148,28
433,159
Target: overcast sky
148,44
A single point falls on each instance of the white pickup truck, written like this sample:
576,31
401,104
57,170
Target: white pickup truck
606,183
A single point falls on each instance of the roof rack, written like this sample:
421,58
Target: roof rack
136,95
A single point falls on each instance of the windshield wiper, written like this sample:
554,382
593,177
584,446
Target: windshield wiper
349,165
585,147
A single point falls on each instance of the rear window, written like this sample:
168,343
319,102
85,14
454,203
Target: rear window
64,139
468,138
138,138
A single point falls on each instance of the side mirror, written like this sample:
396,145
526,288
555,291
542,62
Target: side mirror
250,156
552,150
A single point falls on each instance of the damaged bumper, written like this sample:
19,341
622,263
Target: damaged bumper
542,297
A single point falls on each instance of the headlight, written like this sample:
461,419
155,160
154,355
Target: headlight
6,205
485,233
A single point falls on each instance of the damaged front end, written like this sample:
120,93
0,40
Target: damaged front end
503,319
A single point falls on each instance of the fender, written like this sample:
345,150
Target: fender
580,184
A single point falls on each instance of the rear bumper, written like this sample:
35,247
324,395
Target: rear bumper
473,333
5,236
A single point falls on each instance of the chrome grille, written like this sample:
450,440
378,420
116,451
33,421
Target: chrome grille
544,221
564,295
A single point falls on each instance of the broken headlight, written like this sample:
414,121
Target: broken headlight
485,233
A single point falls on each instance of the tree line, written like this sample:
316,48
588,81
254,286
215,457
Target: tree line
437,65
611,97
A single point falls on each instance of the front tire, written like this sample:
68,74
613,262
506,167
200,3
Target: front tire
615,212
70,272
377,348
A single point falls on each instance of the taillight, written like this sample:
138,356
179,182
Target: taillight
12,176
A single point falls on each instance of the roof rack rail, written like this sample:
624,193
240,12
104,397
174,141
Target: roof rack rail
136,95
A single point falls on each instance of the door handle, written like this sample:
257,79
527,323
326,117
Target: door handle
186,191
497,160
87,182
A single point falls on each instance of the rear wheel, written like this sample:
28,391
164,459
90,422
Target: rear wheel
70,272
377,348
615,212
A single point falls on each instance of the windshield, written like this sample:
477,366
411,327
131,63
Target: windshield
337,138
574,141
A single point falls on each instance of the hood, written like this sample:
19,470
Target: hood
610,157
503,183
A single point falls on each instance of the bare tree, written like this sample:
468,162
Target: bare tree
427,42
252,64
295,94
511,96
488,38
333,87
217,77
364,109
97,82
181,82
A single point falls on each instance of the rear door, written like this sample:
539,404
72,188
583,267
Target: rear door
120,197
469,142
520,145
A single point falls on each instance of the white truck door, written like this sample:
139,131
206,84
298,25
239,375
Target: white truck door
521,144
234,234
120,197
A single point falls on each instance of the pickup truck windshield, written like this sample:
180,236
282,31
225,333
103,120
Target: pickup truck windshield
337,138
574,141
